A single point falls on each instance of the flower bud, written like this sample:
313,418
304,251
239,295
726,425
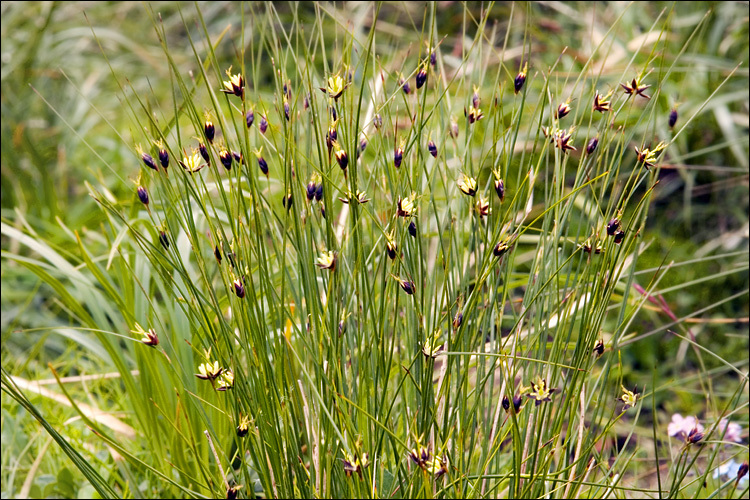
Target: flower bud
164,158
619,235
591,146
263,124
672,117
612,226
520,79
204,153
249,118
500,189
210,131
226,159
413,229
421,77
239,288
143,195
319,193
377,121
432,148
163,239
148,160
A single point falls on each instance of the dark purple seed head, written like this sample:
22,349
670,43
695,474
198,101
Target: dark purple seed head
226,159
500,189
421,77
263,124
619,236
148,160
613,226
311,188
204,153
263,165
143,195
432,148
210,131
164,158
249,118
319,193
163,239
672,117
413,229
591,146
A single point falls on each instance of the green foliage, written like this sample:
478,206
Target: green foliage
294,316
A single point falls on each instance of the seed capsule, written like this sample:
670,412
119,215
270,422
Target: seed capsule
263,124
407,286
319,193
432,148
341,157
457,320
204,153
591,146
249,118
287,201
501,248
599,348
377,121
148,160
672,117
226,159
238,157
286,110
311,189
612,226
500,189
619,235
391,248
421,77
404,84
433,58
398,155
143,195
563,110
239,288
520,78
163,239
164,158
217,254
210,131
413,229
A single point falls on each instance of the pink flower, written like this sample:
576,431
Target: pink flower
681,426
734,430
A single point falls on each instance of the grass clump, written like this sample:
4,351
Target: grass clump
359,259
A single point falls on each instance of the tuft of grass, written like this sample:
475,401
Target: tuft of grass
335,298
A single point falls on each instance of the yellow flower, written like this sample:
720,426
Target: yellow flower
483,207
193,163
327,260
226,381
540,391
406,206
209,371
336,86
235,85
635,88
432,345
629,398
467,185
244,426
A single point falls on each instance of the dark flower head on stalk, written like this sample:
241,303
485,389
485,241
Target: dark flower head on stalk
540,391
520,78
601,104
636,87
147,159
235,85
